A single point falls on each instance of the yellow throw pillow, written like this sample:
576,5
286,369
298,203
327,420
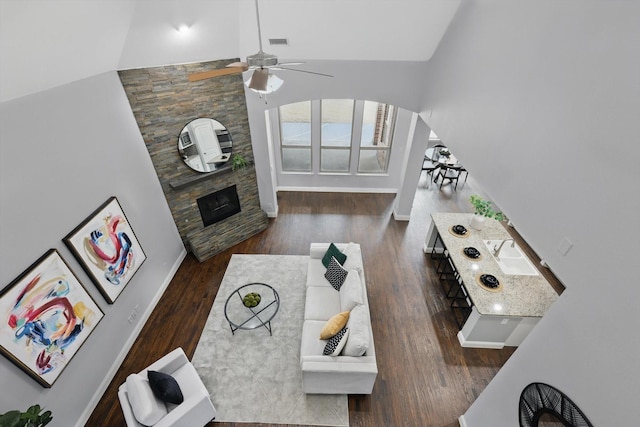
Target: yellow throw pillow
334,325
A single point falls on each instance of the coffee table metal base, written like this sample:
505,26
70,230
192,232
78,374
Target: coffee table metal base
240,316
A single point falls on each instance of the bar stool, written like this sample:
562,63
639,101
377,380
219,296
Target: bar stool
461,306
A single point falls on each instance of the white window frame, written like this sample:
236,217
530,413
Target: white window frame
316,142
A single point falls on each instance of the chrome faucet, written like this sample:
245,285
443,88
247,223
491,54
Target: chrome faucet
497,249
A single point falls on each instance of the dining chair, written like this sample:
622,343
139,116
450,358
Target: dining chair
430,167
450,173
465,171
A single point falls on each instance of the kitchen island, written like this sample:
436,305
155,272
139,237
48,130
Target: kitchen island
498,317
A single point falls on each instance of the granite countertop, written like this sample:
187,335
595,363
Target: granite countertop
522,296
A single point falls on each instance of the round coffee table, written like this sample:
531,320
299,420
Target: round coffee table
240,316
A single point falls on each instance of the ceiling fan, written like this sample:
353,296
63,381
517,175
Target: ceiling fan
261,81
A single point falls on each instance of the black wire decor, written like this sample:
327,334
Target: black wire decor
538,399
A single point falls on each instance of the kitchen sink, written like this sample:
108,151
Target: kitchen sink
511,260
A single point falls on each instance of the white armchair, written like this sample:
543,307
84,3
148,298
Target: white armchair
141,408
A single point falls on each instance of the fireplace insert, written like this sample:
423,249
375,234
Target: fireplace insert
217,206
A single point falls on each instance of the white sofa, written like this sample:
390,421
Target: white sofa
340,374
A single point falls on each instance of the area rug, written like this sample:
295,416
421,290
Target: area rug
254,377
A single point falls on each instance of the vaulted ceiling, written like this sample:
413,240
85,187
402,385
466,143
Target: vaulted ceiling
44,44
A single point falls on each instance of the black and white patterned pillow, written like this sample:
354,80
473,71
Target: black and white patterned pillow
335,274
336,343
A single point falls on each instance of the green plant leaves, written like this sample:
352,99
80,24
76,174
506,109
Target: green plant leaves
30,418
483,207
238,162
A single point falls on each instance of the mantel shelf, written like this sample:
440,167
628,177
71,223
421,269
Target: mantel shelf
179,183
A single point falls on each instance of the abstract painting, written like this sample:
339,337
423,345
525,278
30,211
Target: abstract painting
46,316
107,249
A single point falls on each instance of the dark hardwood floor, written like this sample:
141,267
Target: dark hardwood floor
425,377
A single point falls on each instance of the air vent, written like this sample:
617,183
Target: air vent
278,42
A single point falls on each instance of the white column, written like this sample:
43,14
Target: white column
414,156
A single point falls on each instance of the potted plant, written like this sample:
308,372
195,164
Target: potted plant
482,210
30,418
238,162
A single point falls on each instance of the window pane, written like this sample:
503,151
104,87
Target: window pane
388,125
377,124
373,161
296,159
337,120
295,124
369,120
334,160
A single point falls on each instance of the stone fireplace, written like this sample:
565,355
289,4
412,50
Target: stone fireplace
163,101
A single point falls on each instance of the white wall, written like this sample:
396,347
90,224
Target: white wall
153,39
540,100
47,44
63,152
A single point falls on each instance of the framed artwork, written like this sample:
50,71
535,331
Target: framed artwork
107,249
46,316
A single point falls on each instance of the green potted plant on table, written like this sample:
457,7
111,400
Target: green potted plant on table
30,418
483,210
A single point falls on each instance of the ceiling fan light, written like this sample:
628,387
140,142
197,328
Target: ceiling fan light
264,83
259,79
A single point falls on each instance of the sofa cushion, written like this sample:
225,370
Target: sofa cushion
358,325
165,387
146,407
335,274
321,303
351,291
334,252
354,257
315,274
334,325
336,343
311,345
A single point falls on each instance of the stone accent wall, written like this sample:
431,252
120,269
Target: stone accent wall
163,102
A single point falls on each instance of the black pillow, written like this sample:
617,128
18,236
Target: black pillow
165,387
333,251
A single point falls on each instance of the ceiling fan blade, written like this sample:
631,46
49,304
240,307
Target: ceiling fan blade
259,79
289,63
214,73
242,65
301,71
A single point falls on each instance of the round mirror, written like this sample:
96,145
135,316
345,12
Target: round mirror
205,145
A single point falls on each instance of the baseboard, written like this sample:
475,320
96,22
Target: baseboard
479,344
462,421
132,339
399,217
340,190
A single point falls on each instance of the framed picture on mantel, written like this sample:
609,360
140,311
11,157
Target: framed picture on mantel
107,249
46,316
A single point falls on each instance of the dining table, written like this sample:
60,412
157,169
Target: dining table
448,166
435,155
